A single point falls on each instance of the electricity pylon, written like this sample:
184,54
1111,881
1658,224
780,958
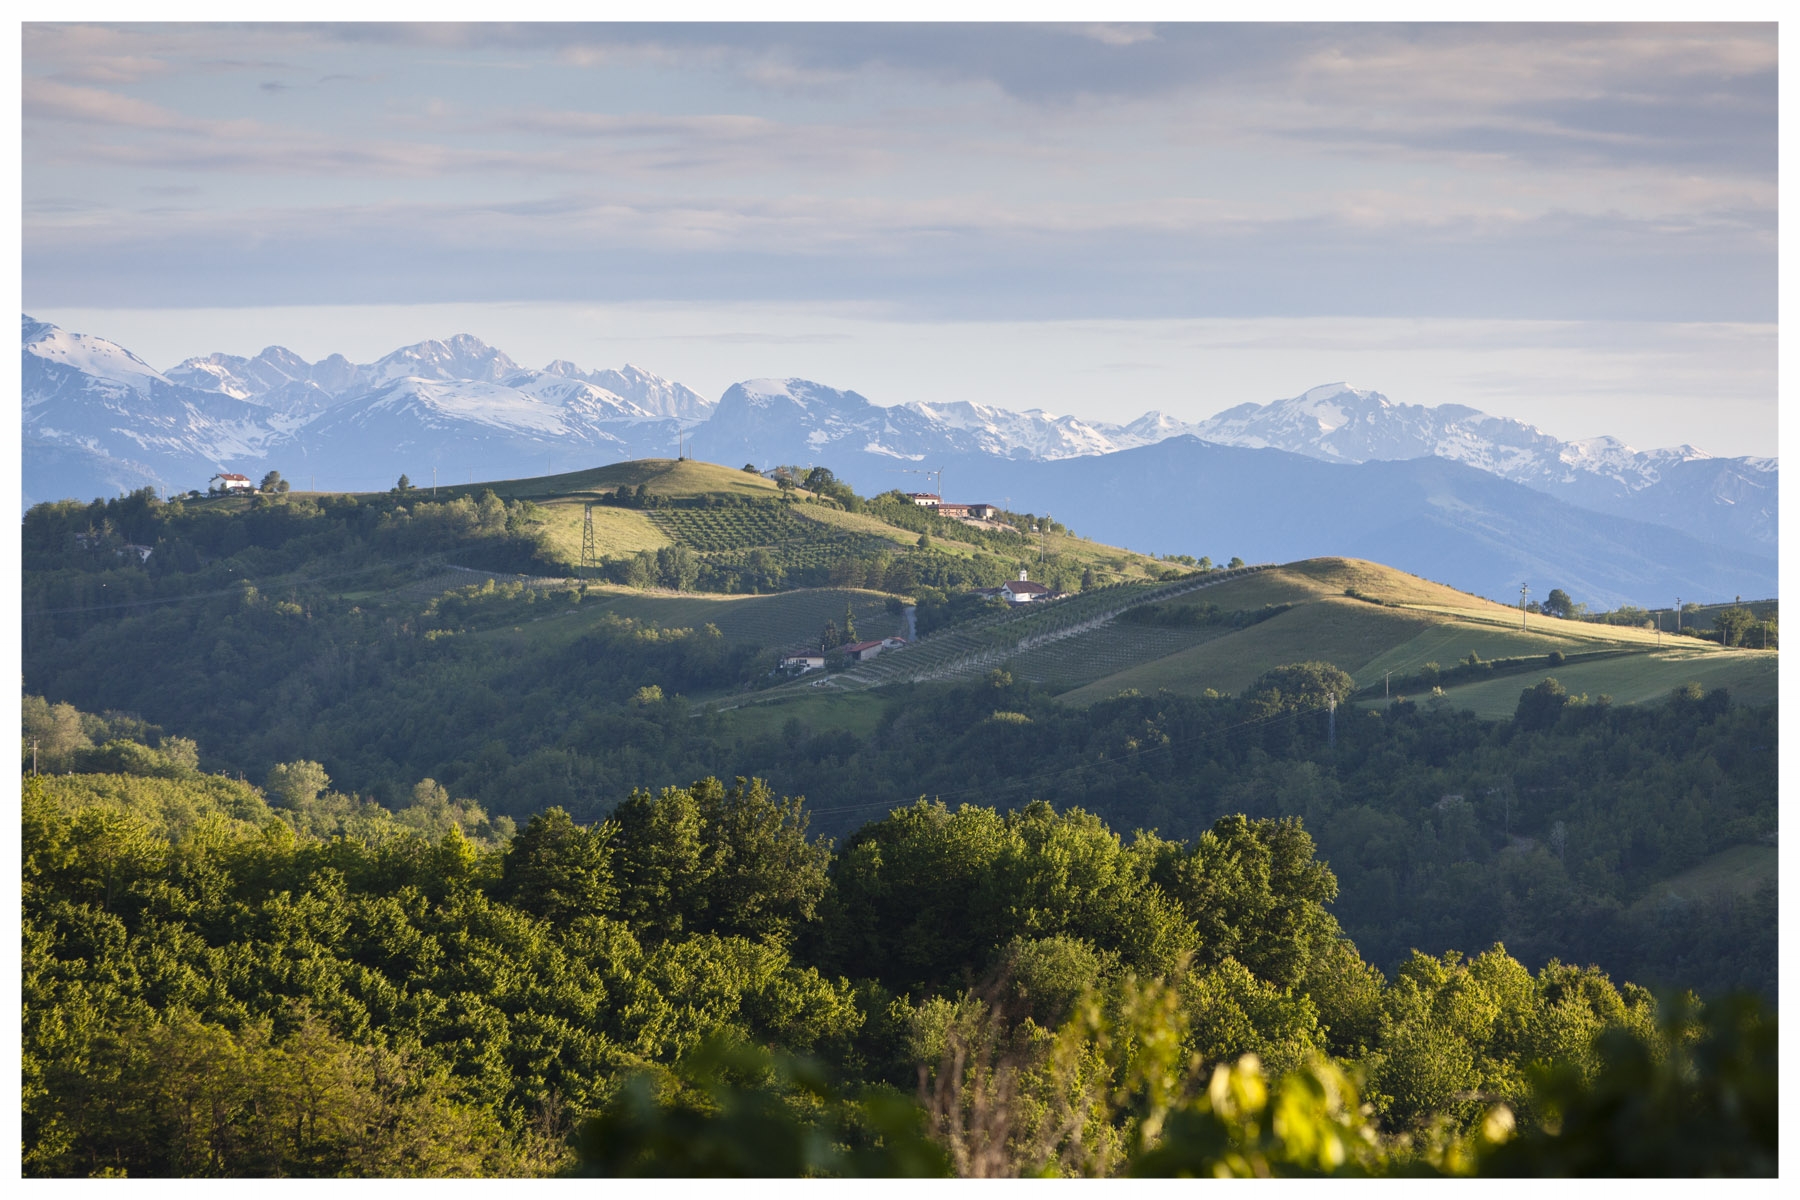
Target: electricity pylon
588,562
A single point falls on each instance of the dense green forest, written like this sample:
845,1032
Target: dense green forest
222,981
329,876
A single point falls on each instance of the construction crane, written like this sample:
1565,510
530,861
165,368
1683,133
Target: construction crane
937,474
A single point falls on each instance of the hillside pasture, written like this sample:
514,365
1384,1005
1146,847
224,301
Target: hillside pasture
618,532
1749,675
817,710
673,478
1348,633
1103,652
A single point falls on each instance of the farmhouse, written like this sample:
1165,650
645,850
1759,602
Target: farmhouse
802,663
226,483
864,651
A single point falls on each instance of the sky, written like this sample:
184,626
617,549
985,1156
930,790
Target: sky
1574,225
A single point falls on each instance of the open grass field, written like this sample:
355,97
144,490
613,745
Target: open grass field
674,478
1103,652
822,709
1418,622
617,531
1345,632
1749,675
1738,871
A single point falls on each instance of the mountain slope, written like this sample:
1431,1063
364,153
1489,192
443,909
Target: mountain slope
1428,516
1685,488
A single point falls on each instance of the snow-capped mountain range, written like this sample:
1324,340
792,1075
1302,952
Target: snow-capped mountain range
98,419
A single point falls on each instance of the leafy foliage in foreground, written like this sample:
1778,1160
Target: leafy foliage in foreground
694,985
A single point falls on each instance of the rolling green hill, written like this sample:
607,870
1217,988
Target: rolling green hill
1372,620
724,514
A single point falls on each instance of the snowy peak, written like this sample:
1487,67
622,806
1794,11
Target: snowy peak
463,357
280,379
91,356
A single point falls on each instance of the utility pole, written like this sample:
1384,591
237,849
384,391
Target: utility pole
1384,684
34,756
1524,590
434,482
587,541
1678,614
1331,700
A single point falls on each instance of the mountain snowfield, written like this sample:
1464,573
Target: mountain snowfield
98,420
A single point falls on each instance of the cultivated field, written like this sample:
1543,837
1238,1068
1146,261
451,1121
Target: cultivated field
1401,623
1749,675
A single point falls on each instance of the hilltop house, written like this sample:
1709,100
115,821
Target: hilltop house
225,483
1019,591
924,499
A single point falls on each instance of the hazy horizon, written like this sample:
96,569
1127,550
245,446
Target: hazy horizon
1574,224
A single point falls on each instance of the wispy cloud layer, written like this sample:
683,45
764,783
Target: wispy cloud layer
943,172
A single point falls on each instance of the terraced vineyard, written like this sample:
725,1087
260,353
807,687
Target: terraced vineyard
739,527
794,542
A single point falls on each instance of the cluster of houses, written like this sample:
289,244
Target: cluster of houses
958,512
1014,591
811,660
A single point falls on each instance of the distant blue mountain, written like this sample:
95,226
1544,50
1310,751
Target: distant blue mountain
1479,502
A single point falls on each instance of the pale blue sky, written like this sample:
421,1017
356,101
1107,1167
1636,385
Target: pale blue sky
1570,224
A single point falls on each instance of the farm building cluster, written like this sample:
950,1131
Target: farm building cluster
974,514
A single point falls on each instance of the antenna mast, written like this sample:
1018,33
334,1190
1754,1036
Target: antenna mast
1524,591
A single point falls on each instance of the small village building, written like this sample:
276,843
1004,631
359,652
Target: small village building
864,651
1023,591
958,511
225,483
925,499
802,663
984,512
